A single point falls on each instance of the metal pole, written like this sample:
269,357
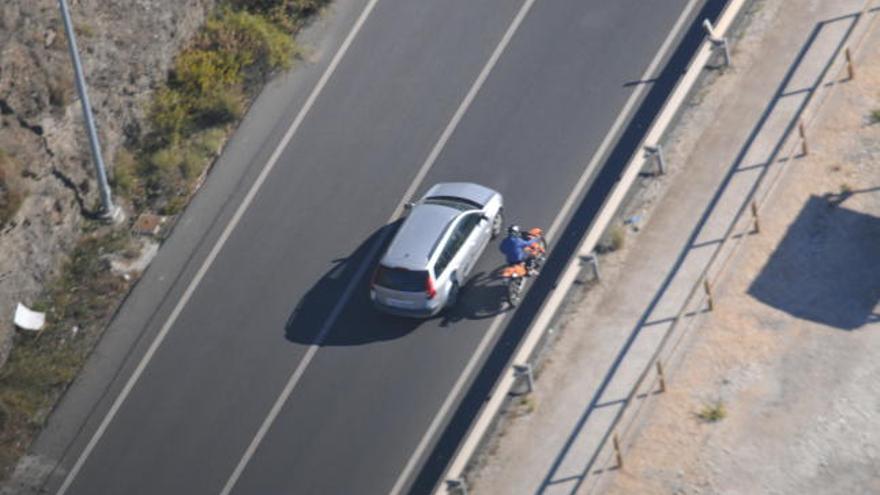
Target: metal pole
755,216
805,150
109,210
850,68
661,377
708,289
617,453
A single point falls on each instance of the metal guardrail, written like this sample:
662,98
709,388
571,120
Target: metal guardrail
453,481
701,292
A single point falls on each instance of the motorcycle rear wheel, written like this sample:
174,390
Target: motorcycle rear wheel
515,288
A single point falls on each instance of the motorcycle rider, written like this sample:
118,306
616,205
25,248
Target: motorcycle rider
517,248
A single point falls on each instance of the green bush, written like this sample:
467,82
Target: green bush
124,180
208,143
170,173
207,89
254,41
286,14
170,116
198,72
219,108
713,412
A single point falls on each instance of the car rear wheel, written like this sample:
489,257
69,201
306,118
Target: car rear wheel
452,299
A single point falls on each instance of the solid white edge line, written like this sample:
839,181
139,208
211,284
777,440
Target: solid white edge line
414,185
216,249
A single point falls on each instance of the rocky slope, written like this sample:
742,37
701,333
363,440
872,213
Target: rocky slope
126,48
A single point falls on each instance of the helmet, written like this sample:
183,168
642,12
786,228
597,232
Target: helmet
513,230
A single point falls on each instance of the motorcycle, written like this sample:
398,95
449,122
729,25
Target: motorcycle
515,276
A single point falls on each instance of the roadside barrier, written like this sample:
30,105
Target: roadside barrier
454,479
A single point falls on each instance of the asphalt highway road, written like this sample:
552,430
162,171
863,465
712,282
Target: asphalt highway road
372,388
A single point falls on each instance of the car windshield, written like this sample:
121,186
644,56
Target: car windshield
401,279
452,202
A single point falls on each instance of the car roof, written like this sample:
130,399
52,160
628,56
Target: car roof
420,232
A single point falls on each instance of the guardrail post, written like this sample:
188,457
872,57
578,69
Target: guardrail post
755,217
717,41
457,486
525,370
805,150
661,377
708,289
656,153
850,68
616,442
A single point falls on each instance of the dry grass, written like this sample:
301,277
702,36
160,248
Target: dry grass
41,366
712,412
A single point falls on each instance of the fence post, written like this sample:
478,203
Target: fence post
661,376
755,217
656,153
616,441
850,68
525,370
803,134
457,486
708,289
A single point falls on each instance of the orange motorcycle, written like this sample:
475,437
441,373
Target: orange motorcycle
515,275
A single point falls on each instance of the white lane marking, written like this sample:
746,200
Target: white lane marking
273,159
569,203
420,175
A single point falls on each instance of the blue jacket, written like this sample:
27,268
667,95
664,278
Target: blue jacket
514,248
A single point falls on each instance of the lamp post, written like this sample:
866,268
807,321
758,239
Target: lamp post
109,211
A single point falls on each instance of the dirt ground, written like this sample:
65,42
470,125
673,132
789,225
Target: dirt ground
790,348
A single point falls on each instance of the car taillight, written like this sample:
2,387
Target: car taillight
430,291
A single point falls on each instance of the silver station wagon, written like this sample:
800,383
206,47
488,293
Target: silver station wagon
435,249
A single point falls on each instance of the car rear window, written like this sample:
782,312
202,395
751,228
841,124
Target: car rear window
460,204
401,279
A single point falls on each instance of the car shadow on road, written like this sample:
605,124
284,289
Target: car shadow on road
826,267
356,322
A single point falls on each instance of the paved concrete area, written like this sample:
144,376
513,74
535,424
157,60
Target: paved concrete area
725,145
